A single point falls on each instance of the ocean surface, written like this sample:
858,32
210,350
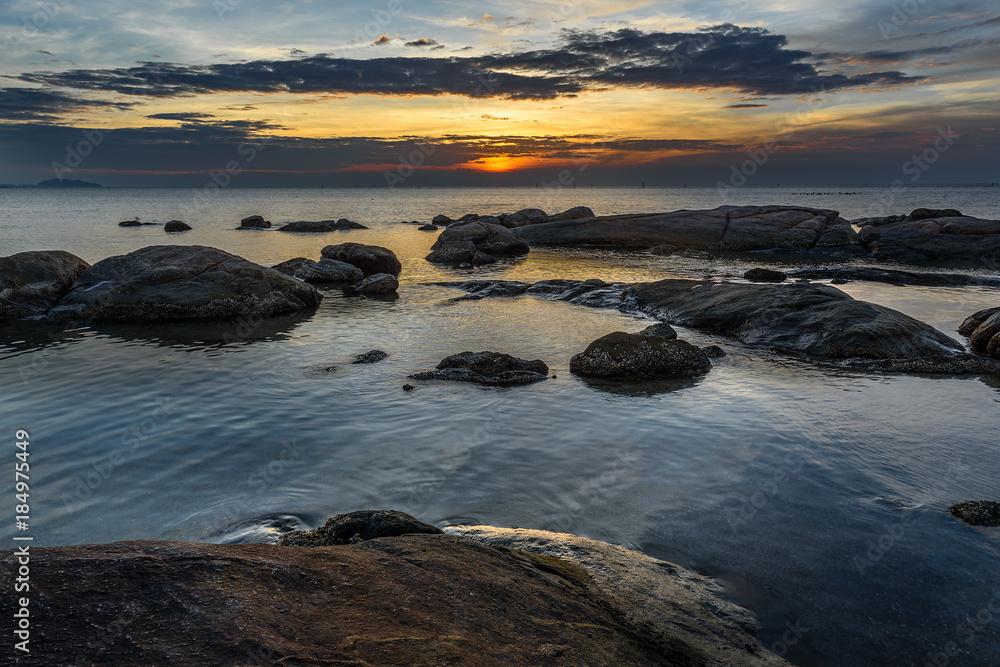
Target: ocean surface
816,496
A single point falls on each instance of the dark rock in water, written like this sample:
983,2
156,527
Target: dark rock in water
839,281
894,277
977,512
714,352
254,222
371,357
176,226
481,289
627,355
441,220
759,275
983,330
575,213
380,283
955,239
818,321
929,213
661,330
33,282
476,243
408,387
959,364
179,283
133,223
488,368
371,259
329,271
875,222
289,267
358,527
308,227
526,216
427,228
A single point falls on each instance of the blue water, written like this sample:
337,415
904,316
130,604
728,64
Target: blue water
816,496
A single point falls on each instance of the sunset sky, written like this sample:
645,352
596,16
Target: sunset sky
479,93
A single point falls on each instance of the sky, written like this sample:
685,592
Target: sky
401,93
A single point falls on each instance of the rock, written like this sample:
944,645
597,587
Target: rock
977,512
176,226
177,283
955,239
358,527
33,282
665,250
983,330
476,243
371,259
894,277
380,283
130,223
441,220
481,289
254,222
487,368
575,213
875,222
714,352
928,213
289,267
526,216
818,321
625,355
329,271
959,364
759,275
408,387
307,227
371,357
687,614
661,330
418,599
427,228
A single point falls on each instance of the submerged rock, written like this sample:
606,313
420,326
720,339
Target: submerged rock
371,357
33,282
177,283
818,321
371,259
380,283
983,330
358,527
309,227
759,275
624,355
329,271
255,222
176,226
487,368
475,243
977,512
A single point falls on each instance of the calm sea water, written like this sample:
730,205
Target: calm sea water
816,496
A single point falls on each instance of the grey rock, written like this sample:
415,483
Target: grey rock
371,259
487,368
759,275
380,283
254,222
661,330
475,242
33,282
176,226
526,216
624,355
983,330
714,352
575,213
329,271
371,357
441,220
289,267
959,239
928,213
358,527
322,226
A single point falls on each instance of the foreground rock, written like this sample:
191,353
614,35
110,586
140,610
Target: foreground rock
732,228
940,235
818,321
371,357
475,243
410,600
177,283
977,512
624,355
329,271
31,283
371,259
378,284
358,527
175,226
255,222
684,612
487,368
308,227
983,330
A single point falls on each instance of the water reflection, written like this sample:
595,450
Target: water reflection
208,334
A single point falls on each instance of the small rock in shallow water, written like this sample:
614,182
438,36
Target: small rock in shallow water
176,226
408,387
487,368
759,275
371,357
358,527
977,512
627,355
713,352
661,329
380,283
427,228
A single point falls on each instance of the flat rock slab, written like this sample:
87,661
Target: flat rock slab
33,282
413,600
178,283
953,239
487,368
321,226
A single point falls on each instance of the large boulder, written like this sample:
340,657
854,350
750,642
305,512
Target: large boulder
475,242
487,368
526,216
983,330
310,227
175,226
255,222
929,213
358,527
959,239
329,271
418,599
625,355
575,213
379,284
33,282
181,283
371,259
818,321
290,266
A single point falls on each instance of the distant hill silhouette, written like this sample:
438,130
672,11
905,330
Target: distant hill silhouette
66,183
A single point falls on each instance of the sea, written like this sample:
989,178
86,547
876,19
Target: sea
816,496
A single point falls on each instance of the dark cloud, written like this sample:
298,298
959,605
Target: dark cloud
746,106
33,104
747,60
180,115
423,41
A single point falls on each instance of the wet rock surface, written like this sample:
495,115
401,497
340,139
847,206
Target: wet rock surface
175,226
378,284
32,282
371,357
759,275
624,355
329,271
371,259
475,243
487,368
358,527
255,222
977,512
983,330
321,226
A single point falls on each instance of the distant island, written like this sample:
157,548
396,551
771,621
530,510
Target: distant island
66,183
